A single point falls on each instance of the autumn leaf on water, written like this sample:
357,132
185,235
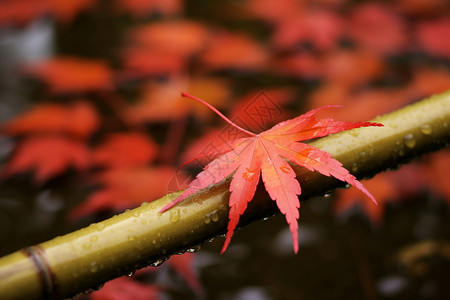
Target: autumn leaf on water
267,154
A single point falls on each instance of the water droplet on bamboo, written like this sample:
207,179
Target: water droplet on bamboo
100,226
215,217
174,215
93,267
425,129
355,167
409,140
131,237
93,238
144,222
207,219
131,273
285,169
194,249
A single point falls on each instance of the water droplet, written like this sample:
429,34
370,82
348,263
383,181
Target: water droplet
93,238
355,167
86,245
144,203
425,129
327,195
131,273
248,175
393,125
131,237
363,154
100,226
194,249
93,267
136,214
354,132
215,217
207,220
285,169
409,140
153,242
144,222
157,263
174,215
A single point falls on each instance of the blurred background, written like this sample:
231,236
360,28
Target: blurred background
92,123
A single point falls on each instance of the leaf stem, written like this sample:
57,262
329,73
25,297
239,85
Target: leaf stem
218,113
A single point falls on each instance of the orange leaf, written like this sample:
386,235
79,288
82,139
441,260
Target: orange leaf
125,188
234,51
143,8
125,149
21,11
72,75
266,155
78,119
48,156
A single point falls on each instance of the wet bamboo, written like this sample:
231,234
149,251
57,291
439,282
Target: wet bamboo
86,258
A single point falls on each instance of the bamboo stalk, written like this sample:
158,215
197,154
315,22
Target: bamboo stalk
70,264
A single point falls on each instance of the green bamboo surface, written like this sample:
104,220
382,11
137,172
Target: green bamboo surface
84,259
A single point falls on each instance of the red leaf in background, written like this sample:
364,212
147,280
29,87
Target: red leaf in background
433,36
78,119
274,11
376,27
124,150
125,188
139,62
124,288
183,38
262,155
366,104
302,64
48,156
352,67
142,8
233,51
322,29
161,101
421,7
183,264
428,81
72,75
21,11
66,10
381,187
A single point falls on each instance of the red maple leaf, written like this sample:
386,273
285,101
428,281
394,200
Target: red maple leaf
125,149
125,188
77,119
48,156
72,75
124,288
266,154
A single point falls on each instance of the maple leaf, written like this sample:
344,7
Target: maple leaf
77,119
124,288
49,156
266,155
72,75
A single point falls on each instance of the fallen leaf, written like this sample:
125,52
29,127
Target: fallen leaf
376,27
433,36
125,187
143,8
48,157
264,155
78,119
125,150
227,51
72,75
124,288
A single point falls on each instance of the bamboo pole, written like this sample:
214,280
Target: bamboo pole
84,259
